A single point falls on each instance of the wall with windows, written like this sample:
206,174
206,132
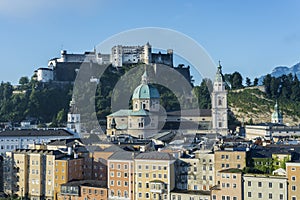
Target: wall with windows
265,187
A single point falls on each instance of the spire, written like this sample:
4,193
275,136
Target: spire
219,75
145,78
220,67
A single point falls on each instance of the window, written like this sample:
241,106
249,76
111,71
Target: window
119,166
119,174
293,178
293,169
112,174
234,176
147,195
111,183
281,197
125,183
259,195
125,174
238,157
294,198
280,185
140,175
234,198
249,194
293,187
249,183
259,184
147,167
270,184
234,185
270,196
139,167
119,183
125,166
140,185
222,156
214,197
140,194
227,165
238,166
147,185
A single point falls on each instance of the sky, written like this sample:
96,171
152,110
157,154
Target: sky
251,37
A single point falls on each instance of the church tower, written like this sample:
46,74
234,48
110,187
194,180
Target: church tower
277,117
219,104
74,118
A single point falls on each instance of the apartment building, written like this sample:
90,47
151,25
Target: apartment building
67,168
200,171
293,176
265,187
121,175
155,175
31,173
229,185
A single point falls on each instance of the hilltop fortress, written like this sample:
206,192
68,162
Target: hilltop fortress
65,68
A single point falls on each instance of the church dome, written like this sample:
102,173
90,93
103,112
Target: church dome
145,90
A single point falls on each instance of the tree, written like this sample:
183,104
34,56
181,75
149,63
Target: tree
237,81
23,80
248,82
267,84
255,82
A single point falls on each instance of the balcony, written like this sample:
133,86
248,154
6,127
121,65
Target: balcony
157,187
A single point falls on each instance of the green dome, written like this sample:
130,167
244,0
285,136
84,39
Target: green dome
145,91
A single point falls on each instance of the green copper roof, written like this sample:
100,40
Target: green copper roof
276,114
145,91
123,113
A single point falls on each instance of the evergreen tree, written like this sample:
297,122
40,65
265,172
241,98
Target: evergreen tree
248,82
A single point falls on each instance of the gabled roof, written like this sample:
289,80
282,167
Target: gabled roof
122,155
155,156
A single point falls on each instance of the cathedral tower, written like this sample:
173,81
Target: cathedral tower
219,104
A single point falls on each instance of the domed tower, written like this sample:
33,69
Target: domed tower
147,53
145,96
276,115
219,104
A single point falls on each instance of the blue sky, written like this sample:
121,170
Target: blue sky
251,37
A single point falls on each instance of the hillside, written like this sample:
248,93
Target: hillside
252,104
